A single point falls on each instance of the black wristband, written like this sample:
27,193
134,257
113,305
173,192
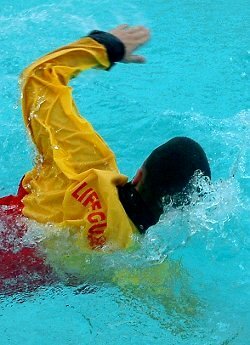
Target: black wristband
115,47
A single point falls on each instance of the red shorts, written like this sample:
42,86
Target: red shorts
21,266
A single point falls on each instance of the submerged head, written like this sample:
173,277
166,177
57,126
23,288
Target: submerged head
168,170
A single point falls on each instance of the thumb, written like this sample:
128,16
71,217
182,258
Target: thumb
135,59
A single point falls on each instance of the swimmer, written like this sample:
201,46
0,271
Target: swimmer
75,182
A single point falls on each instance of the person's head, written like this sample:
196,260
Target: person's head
168,170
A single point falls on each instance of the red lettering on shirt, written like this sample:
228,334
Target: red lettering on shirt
96,205
97,229
96,217
83,195
97,242
88,197
93,197
75,193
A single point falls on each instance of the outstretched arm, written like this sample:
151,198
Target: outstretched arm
58,131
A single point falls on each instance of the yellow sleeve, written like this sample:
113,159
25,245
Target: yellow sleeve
60,134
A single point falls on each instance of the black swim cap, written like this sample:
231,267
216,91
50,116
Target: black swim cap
167,172
170,166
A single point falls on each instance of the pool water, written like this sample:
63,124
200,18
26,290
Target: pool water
196,84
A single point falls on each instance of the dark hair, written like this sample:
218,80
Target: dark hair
169,168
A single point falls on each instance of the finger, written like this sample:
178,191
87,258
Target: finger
122,27
140,37
136,28
139,34
135,59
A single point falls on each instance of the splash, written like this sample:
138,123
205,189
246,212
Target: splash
211,207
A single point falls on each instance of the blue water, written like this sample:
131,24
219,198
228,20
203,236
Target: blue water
195,83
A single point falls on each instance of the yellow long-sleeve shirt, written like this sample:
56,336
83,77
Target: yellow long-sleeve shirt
74,182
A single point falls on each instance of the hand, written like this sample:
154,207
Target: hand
132,38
